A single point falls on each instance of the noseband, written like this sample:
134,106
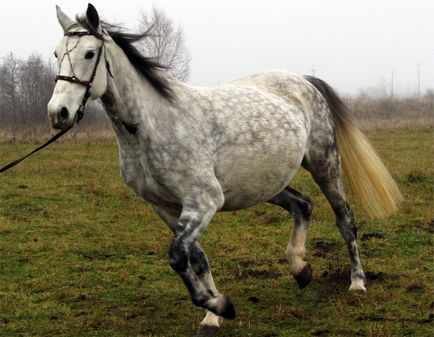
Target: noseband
74,78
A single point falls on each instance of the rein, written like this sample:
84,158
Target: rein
51,140
72,79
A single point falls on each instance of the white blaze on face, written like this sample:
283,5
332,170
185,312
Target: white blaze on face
65,102
72,54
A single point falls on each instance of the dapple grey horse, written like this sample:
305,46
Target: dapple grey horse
191,151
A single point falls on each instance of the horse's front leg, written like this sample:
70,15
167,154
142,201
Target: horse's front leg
190,262
210,325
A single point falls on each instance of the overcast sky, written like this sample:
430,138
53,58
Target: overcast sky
351,44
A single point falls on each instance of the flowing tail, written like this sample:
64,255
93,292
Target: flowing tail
370,180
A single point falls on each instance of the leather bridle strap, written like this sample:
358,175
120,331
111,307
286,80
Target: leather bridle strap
86,96
51,140
80,112
72,79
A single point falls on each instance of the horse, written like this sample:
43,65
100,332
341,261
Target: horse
193,151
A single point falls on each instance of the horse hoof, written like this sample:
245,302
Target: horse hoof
358,285
304,277
228,310
358,288
221,306
207,330
359,291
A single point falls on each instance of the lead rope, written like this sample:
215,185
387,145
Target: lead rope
51,140
73,79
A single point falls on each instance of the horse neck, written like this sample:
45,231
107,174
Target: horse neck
130,98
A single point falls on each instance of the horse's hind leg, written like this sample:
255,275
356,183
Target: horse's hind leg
323,162
300,207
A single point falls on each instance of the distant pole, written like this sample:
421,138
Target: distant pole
313,70
418,79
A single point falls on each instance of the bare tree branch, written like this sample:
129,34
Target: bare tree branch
166,43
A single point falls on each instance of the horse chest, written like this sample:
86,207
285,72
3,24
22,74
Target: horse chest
142,180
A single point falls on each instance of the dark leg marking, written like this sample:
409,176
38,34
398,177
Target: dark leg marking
198,260
187,258
294,202
300,207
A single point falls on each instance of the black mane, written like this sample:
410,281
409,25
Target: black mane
147,66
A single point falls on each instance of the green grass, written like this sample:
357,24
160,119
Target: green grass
81,255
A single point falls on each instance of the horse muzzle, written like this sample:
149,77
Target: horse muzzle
61,117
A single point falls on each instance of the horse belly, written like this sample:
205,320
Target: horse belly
249,178
262,143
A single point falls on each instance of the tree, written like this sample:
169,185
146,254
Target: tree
166,43
35,87
9,97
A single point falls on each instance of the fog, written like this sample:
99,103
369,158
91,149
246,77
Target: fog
350,44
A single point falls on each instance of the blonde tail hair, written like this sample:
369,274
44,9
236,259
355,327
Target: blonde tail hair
369,179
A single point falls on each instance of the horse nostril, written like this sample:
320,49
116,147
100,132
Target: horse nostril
64,114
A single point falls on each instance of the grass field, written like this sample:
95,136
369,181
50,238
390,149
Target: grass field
81,255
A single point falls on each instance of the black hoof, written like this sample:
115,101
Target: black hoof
220,305
207,331
228,310
304,277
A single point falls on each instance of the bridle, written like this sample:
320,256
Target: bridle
72,79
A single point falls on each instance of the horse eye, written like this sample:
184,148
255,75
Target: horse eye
55,55
89,55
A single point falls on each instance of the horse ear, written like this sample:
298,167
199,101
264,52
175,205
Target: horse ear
65,21
93,17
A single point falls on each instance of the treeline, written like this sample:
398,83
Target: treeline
378,112
26,86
